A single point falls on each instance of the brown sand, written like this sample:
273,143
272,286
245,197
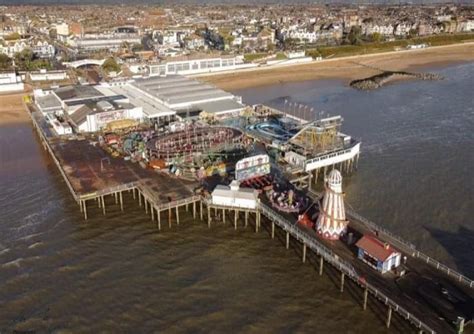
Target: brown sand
347,68
12,109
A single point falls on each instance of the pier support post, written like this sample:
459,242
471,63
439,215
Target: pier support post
177,215
287,240
103,204
246,218
116,198
389,316
158,213
84,202
366,293
99,202
342,282
121,201
152,209
273,230
139,198
236,216
169,216
321,264
208,217
223,216
133,191
194,210
145,203
304,253
80,206
257,222
200,210
187,208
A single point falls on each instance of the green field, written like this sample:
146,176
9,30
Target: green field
367,48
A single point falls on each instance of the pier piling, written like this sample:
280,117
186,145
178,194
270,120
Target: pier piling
287,240
236,215
321,264
208,217
121,201
158,214
103,205
304,253
342,282
366,293
200,210
389,316
273,230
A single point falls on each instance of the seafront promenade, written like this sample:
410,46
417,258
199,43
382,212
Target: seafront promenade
91,176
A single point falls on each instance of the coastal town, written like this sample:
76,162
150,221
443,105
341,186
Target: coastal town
127,103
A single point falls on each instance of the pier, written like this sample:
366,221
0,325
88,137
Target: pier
91,176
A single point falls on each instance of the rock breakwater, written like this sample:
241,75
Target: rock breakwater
381,79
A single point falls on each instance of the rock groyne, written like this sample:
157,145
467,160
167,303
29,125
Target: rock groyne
381,79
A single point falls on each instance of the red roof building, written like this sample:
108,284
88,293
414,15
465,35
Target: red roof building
378,254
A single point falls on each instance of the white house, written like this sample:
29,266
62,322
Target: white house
10,82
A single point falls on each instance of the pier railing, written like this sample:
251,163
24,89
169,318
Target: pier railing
340,264
450,272
51,152
410,248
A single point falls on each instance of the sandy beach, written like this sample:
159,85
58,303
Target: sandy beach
12,109
347,68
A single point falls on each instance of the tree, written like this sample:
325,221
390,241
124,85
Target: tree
5,61
53,33
354,36
290,43
376,37
13,36
110,65
412,33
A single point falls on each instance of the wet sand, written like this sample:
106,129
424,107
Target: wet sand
12,110
347,68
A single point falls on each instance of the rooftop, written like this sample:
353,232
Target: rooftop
77,92
176,89
375,247
48,102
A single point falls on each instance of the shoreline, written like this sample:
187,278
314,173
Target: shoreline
345,68
12,109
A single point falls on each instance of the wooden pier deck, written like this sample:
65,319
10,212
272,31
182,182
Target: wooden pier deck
91,174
